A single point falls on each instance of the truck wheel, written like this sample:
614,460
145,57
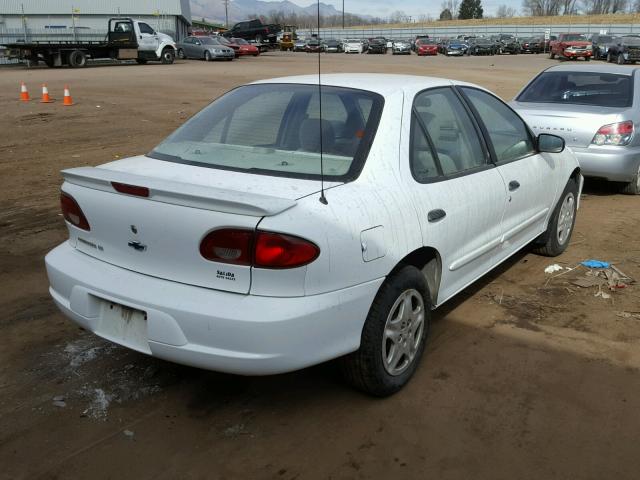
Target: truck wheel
48,61
168,56
620,59
552,55
633,187
393,337
609,57
207,56
181,55
77,59
556,238
258,38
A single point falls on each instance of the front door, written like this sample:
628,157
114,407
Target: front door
458,193
528,176
147,38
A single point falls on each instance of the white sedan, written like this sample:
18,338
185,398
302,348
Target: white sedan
221,249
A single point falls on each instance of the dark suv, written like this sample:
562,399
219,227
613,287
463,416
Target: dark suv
377,45
625,49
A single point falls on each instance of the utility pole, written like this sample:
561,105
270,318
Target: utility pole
343,15
226,13
24,23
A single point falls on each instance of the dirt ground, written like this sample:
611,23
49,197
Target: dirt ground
525,376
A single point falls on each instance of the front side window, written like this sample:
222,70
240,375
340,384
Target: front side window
144,28
277,129
447,125
580,88
508,133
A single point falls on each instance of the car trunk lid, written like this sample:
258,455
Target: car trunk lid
160,235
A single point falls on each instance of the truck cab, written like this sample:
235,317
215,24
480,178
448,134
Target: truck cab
571,46
150,44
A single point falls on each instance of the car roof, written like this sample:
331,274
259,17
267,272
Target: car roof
595,68
384,84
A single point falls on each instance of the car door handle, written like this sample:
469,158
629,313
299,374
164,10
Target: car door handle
514,185
435,215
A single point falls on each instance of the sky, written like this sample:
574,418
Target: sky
380,8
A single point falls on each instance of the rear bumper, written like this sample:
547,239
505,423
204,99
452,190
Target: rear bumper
616,164
211,329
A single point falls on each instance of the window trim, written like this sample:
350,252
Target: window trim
357,164
485,131
442,177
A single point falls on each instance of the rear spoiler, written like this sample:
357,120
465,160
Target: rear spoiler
179,193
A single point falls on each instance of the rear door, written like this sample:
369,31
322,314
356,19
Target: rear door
458,193
531,179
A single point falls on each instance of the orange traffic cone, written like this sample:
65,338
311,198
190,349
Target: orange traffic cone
45,94
68,101
24,93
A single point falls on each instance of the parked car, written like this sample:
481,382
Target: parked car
626,49
298,45
531,45
255,30
246,48
509,44
456,48
219,249
205,48
481,46
230,43
313,46
401,47
416,39
596,110
377,45
571,46
426,46
353,45
332,46
600,45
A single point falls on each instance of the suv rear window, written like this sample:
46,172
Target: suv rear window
580,88
275,129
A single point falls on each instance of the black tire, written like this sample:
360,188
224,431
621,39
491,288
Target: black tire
633,187
229,59
181,54
586,59
258,38
48,60
548,243
77,59
609,57
168,56
620,59
141,61
365,369
552,55
207,56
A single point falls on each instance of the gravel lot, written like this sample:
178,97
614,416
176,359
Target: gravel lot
525,376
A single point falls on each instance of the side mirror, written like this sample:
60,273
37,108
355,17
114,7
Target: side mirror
550,143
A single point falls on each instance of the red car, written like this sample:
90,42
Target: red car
245,48
426,47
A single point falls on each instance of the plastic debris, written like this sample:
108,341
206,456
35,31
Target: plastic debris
128,433
595,264
553,268
58,401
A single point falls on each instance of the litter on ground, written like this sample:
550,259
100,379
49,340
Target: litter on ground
553,268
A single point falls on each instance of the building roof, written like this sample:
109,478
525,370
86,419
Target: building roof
98,7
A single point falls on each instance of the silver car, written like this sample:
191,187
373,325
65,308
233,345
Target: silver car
401,47
206,48
595,108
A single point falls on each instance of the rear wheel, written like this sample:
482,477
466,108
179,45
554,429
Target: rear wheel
556,238
552,55
620,59
393,336
168,56
633,187
77,59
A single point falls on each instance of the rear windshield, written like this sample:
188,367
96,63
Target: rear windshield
276,129
580,88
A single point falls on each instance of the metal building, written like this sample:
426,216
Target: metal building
47,19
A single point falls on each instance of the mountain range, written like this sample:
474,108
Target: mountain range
241,9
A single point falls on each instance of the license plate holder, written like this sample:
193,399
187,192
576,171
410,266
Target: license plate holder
124,325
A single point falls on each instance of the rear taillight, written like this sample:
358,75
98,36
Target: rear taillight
228,245
258,249
614,134
72,212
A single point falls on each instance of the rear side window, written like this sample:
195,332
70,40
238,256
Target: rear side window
447,126
580,88
277,129
508,133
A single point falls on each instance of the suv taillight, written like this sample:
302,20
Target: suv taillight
72,212
257,248
614,134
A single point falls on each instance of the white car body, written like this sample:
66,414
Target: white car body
353,46
168,301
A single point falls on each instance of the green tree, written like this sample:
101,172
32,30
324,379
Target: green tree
446,14
470,9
